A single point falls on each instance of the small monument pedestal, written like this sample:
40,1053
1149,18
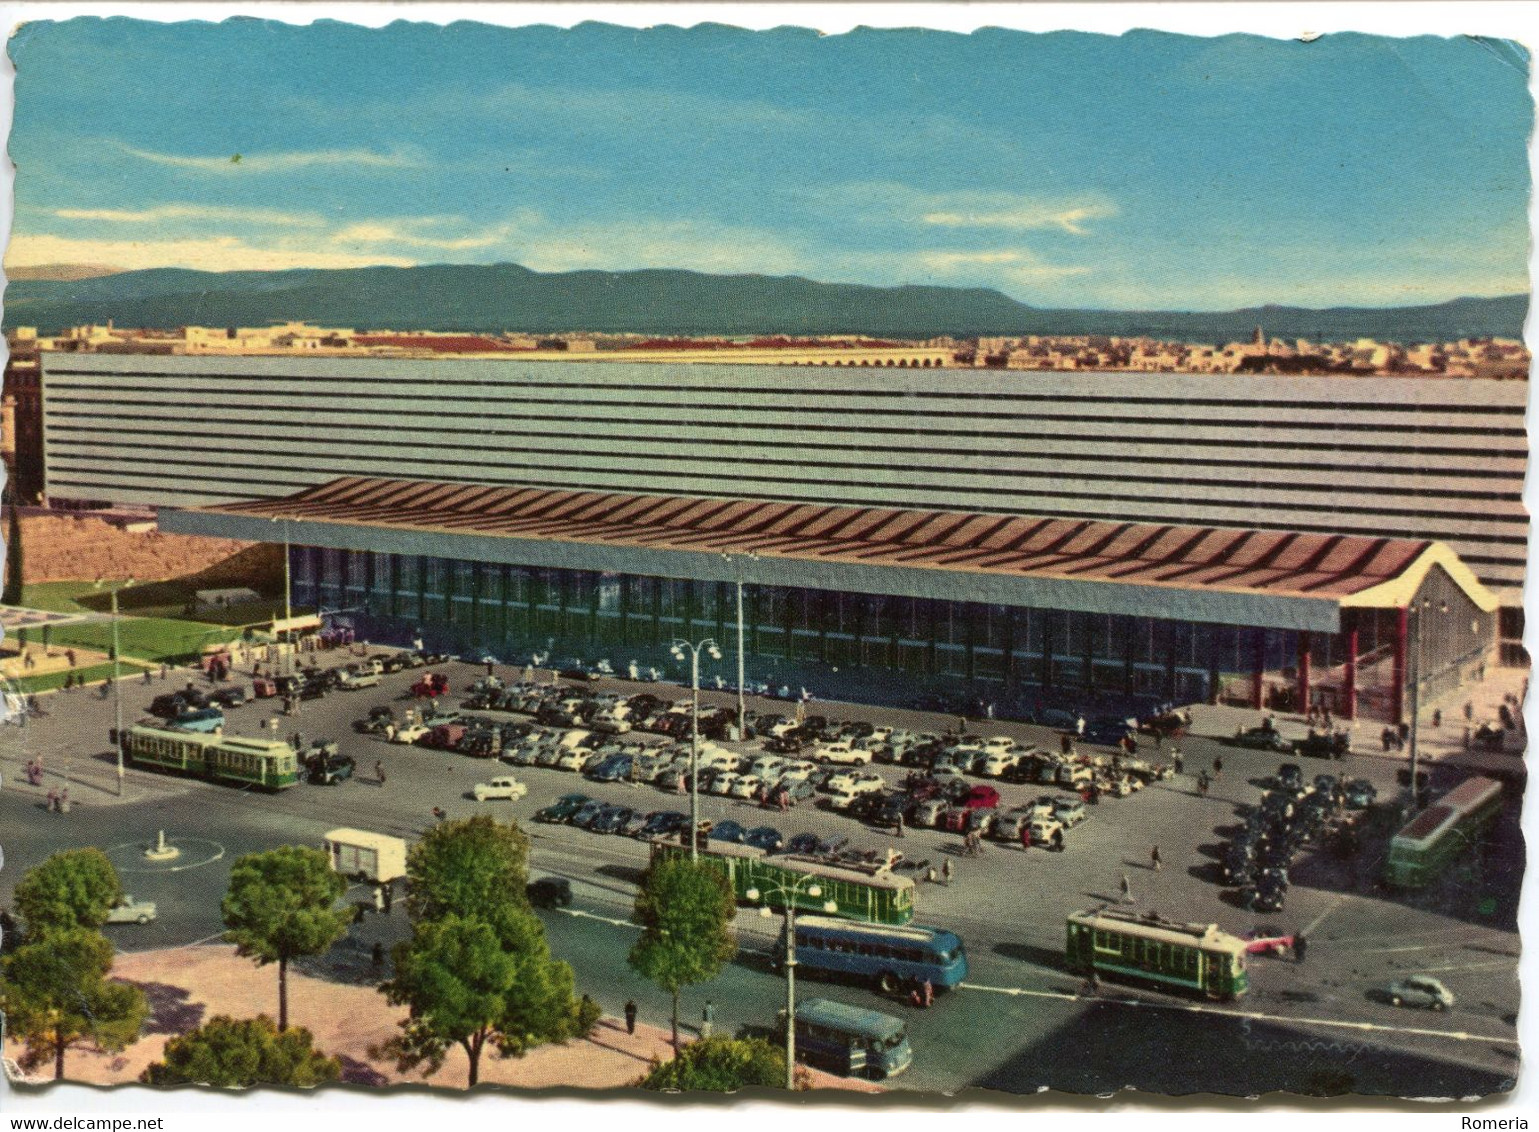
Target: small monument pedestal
162,850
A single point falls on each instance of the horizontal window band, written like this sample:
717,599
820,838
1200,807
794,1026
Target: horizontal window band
1175,461
436,396
478,426
430,384
1026,479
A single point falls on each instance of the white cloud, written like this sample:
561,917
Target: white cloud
1024,218
279,162
218,253
408,232
888,201
164,212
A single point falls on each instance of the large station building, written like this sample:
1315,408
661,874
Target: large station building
1062,536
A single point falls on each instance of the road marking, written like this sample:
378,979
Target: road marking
1254,1016
602,919
1309,929
1509,964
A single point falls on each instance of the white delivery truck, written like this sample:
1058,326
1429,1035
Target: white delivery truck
362,855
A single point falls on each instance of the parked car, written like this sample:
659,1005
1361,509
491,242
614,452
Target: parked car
330,769
411,733
131,911
1261,738
845,753
765,837
1419,990
928,814
1047,833
1360,794
812,845
231,695
549,892
1070,811
562,809
663,823
729,831
611,820
981,798
589,812
1324,745
503,787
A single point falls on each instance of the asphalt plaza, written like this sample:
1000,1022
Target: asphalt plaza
1019,1023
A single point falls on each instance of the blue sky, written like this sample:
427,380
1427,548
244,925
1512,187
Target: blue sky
1151,170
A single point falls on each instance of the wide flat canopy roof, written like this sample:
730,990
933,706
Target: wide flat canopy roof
1226,575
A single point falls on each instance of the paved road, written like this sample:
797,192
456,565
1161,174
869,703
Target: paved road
1018,1023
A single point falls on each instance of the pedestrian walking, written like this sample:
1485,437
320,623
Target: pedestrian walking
989,711
929,993
379,898
947,870
897,826
1154,859
69,655
53,800
630,1016
1025,836
64,800
390,732
165,672
389,897
1437,717
378,955
379,771
1218,766
1127,889
148,679
1469,710
708,1019
488,666
1176,760
1202,784
1079,726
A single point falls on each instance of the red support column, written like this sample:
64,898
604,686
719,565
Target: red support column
1397,692
1258,671
1305,640
1349,670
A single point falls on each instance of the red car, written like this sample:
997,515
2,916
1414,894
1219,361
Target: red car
431,685
980,797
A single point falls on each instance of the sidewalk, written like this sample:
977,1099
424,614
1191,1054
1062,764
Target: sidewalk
1218,721
188,986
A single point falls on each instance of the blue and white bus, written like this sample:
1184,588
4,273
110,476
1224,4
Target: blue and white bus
891,957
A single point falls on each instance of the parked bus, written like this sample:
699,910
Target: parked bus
851,1041
1196,958
232,759
890,957
1434,837
859,892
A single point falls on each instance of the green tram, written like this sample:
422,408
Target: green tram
1195,958
860,892
1445,829
263,763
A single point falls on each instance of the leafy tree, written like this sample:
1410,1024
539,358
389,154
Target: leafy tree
72,889
281,906
475,981
720,1065
11,593
685,911
466,868
56,994
237,1054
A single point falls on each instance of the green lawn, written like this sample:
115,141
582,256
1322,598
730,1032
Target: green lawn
50,680
152,639
59,597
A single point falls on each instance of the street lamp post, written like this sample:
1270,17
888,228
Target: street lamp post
742,704
788,895
679,648
117,673
288,600
1422,609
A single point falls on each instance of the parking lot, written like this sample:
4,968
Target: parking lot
1009,904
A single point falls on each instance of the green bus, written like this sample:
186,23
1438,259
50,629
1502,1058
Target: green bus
263,763
859,892
1434,837
1193,958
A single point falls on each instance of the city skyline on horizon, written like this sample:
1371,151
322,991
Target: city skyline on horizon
1150,171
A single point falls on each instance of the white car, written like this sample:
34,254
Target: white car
841,799
1070,811
999,745
859,782
946,773
998,762
410,733
506,787
574,759
746,786
882,734
717,758
1046,832
724,782
131,911
797,772
571,738
768,766
845,754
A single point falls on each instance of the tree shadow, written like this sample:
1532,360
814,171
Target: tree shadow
355,1072
170,1010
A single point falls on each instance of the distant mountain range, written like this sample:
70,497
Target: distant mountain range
501,297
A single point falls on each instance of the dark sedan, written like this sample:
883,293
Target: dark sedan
729,831
562,809
664,823
1260,739
765,837
611,819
